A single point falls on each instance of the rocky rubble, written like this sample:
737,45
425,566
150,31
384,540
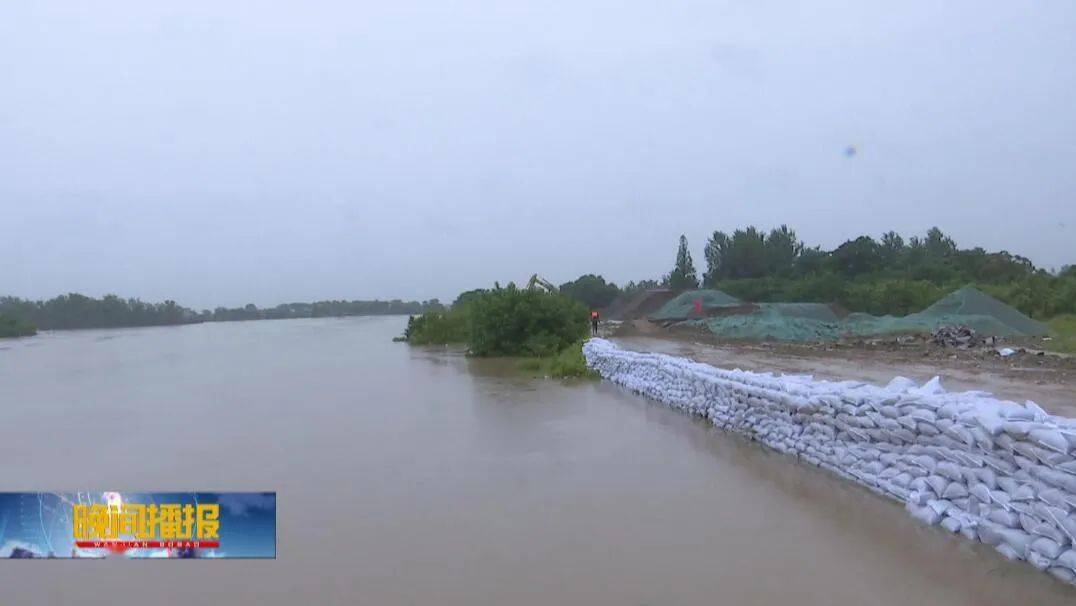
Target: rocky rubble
957,336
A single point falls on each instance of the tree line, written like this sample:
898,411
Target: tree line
10,327
79,311
888,275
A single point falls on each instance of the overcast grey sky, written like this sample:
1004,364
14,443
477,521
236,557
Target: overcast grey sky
231,152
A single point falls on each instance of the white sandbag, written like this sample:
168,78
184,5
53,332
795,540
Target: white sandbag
989,533
989,469
925,515
955,490
1017,539
1009,485
940,506
1018,429
1004,517
987,476
1001,498
949,470
1038,561
1039,415
918,498
1010,552
969,532
1067,559
938,484
1029,523
1026,492
1065,575
1055,498
951,524
1051,530
1067,525
1059,479
1047,547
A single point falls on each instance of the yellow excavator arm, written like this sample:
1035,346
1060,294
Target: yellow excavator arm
537,281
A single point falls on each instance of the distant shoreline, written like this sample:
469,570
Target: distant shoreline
195,323
76,311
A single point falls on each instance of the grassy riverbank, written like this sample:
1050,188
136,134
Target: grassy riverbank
568,364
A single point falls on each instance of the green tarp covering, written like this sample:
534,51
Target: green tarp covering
967,306
682,307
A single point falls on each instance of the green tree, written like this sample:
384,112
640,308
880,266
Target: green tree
811,261
891,248
591,290
782,248
11,327
716,262
857,256
512,321
634,287
746,257
683,274
938,244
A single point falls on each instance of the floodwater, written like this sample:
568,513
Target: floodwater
416,476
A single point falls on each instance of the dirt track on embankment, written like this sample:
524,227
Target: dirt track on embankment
1048,380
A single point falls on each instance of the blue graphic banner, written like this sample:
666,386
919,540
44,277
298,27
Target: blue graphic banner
138,524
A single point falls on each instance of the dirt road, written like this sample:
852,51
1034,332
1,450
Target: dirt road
1049,383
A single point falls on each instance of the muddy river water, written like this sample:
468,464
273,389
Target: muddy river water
417,476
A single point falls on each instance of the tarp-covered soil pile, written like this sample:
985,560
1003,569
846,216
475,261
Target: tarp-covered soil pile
638,305
967,306
695,304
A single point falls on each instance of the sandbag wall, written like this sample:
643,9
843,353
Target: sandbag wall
991,470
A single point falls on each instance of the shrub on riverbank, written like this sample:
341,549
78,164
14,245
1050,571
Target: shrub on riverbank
505,322
438,328
10,327
512,322
568,364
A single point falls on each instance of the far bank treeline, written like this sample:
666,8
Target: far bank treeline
79,311
889,275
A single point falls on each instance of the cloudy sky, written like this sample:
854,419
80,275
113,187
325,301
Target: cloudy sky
233,152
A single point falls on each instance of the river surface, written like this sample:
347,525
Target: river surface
418,476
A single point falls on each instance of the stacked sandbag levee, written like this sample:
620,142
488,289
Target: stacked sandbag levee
991,470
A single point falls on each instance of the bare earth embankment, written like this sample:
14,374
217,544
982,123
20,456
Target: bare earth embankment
1049,380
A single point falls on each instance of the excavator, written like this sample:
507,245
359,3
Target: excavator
538,282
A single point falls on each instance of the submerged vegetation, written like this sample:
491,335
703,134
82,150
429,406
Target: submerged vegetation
438,327
508,321
513,321
545,328
10,327
568,364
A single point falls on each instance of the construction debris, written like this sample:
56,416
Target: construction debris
956,336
